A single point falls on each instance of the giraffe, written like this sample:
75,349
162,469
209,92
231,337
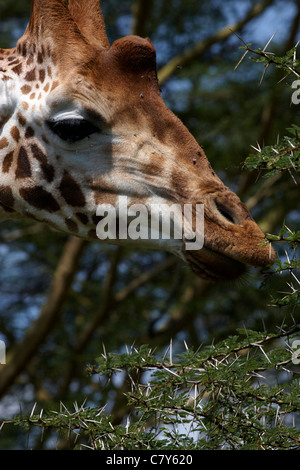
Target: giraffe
82,121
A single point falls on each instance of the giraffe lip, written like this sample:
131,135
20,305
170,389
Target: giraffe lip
214,266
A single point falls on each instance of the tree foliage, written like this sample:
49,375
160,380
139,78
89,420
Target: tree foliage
212,398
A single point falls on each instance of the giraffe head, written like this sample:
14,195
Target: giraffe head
83,122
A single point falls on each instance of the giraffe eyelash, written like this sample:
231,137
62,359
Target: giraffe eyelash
72,129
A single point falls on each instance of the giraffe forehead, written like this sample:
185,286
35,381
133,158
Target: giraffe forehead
27,76
63,102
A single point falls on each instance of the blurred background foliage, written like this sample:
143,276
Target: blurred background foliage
120,296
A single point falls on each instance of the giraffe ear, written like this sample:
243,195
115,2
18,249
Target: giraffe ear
50,19
89,19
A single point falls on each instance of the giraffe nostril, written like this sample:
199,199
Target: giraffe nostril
226,213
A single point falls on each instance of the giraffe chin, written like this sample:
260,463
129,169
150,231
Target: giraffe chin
213,266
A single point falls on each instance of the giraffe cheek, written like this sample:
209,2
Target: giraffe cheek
71,191
23,169
47,170
39,198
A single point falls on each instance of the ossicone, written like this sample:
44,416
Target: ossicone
135,54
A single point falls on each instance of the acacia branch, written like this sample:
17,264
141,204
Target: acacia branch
50,312
202,46
270,111
108,302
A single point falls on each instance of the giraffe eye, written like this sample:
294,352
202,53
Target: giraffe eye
72,130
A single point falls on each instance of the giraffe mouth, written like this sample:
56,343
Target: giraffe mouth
214,266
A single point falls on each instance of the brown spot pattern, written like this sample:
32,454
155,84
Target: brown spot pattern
25,89
6,198
7,161
82,217
29,61
42,75
29,132
40,58
23,165
54,85
96,219
21,119
71,191
17,69
47,169
40,198
30,76
3,143
15,133
72,226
